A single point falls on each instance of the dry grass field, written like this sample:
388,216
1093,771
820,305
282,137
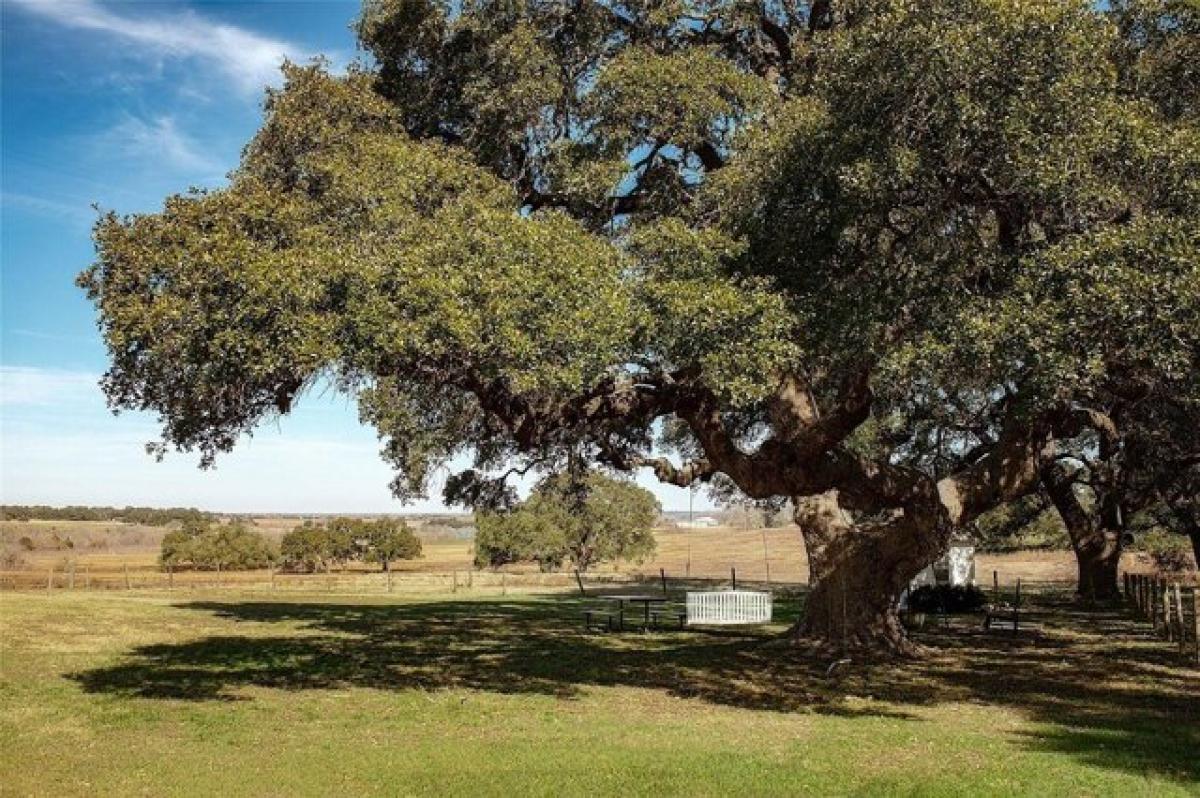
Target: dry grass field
119,556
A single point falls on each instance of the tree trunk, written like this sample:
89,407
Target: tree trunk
858,574
1097,547
1098,555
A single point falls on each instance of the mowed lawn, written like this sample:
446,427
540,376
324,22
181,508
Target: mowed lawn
243,694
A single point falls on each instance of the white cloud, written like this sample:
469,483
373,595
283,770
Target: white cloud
41,387
249,59
158,141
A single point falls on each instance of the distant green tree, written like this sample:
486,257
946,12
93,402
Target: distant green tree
520,535
1027,523
390,539
346,540
204,545
305,548
585,519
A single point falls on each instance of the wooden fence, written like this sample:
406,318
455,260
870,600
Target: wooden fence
1171,608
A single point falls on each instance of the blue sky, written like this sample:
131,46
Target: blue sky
119,105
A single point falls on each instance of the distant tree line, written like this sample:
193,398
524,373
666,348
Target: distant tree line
149,516
204,545
318,547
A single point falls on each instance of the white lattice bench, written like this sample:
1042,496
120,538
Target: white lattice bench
728,607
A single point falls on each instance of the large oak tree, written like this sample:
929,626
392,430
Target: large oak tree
873,256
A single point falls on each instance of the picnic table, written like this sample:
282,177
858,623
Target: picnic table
645,600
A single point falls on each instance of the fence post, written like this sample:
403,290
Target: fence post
1181,636
766,555
1168,620
454,584
125,570
733,575
1168,611
71,577
470,578
50,579
579,581
1126,584
1196,619
503,584
1152,589
87,577
662,574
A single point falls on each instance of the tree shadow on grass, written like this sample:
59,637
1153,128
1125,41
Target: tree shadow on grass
1107,695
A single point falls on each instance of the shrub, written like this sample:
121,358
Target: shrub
950,599
1170,552
11,557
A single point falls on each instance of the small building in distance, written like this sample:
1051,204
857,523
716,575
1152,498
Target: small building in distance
703,522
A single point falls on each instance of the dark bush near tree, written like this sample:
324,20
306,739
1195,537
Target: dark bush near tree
952,599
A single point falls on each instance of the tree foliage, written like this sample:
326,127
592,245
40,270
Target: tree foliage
586,519
149,516
880,254
205,545
313,547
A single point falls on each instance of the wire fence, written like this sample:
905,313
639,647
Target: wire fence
125,577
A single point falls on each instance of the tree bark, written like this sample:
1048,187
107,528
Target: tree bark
1098,556
1097,545
858,572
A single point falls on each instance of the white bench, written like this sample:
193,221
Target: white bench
728,607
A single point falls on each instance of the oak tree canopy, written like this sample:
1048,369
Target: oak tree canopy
878,256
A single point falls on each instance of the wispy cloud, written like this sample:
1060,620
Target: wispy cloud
78,211
42,387
249,59
158,141
42,335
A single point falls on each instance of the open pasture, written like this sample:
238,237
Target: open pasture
241,694
113,555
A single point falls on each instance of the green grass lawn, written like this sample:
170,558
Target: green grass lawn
233,694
